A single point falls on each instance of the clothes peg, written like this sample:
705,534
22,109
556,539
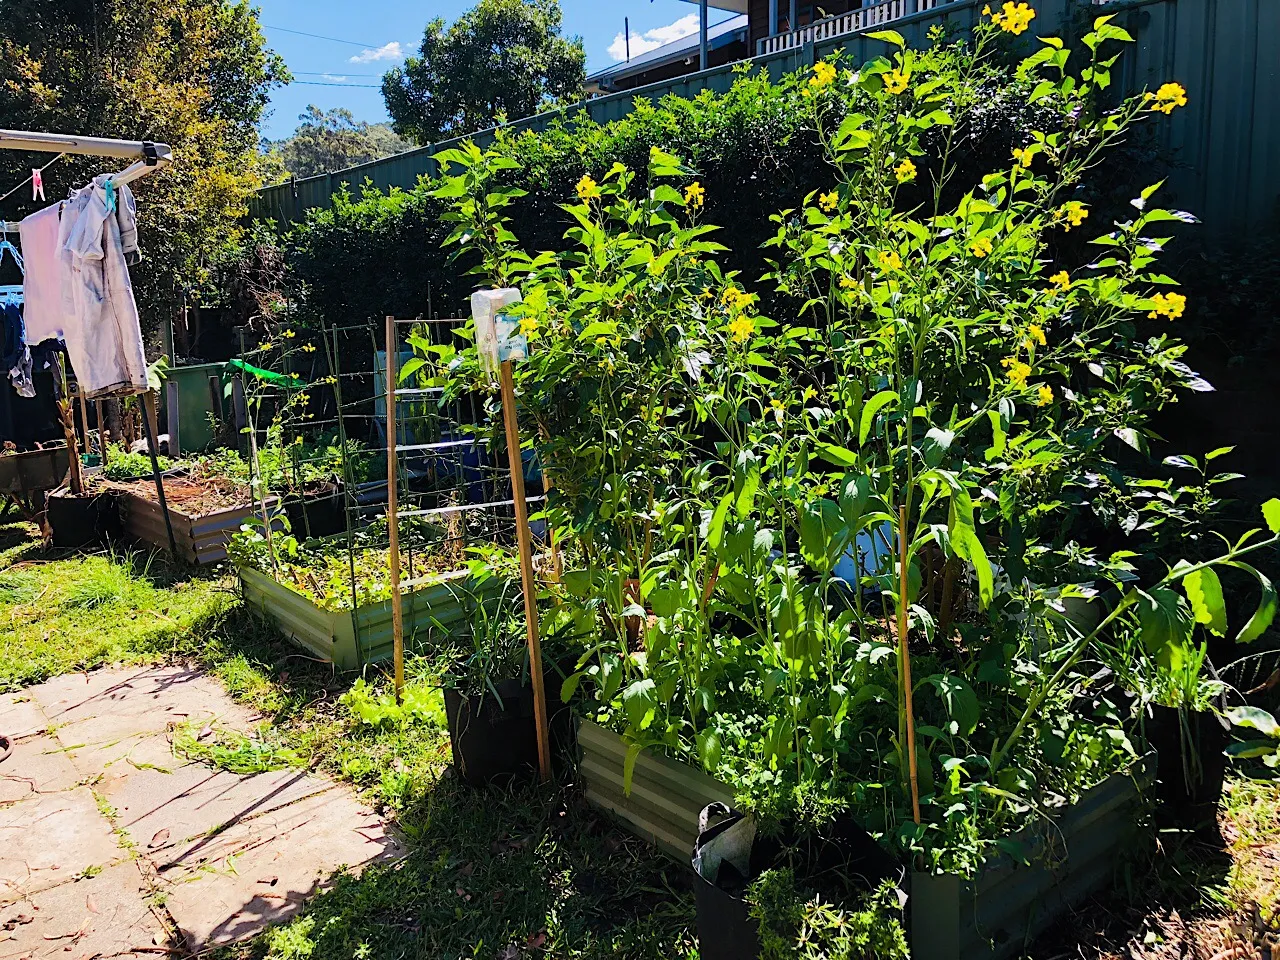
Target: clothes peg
37,184
110,189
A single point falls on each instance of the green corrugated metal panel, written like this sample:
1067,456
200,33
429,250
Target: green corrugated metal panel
992,916
321,632
1225,144
196,402
351,640
665,799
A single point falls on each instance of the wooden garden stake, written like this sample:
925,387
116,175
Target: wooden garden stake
393,523
526,569
905,665
84,419
104,433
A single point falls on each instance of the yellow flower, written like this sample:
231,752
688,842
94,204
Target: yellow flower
1018,371
1075,213
1169,96
1045,395
981,247
889,260
1036,333
986,11
895,81
847,282
695,194
528,326
735,299
1171,305
905,171
588,189
1061,280
1023,155
824,74
1013,17
288,334
829,201
742,327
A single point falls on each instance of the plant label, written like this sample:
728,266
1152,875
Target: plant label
498,336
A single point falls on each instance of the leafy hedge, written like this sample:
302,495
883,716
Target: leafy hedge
376,253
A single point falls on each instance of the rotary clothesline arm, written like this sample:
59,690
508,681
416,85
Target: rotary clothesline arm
149,156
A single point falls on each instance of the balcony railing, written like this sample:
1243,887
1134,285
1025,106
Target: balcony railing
871,15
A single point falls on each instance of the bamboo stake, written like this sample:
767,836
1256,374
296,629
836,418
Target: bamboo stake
905,662
104,432
84,419
393,522
526,570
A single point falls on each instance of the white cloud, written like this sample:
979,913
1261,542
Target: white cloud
651,39
388,51
334,77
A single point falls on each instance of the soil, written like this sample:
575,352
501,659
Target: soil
193,495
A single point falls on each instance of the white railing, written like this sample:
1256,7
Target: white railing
872,15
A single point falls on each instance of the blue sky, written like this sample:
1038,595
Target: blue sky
379,33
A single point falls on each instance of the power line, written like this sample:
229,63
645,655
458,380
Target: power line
320,83
331,73
316,36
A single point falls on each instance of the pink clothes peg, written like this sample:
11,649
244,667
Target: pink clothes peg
37,184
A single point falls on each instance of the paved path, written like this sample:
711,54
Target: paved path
111,846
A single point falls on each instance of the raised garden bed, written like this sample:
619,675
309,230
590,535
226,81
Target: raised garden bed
993,915
351,639
202,522
666,796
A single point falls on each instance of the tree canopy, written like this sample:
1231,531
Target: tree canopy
503,58
195,74
334,139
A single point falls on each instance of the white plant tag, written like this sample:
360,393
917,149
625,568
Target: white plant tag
497,335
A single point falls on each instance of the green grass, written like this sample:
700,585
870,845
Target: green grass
62,614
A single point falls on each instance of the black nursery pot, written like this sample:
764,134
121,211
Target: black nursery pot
1184,804
493,739
83,521
726,930
317,513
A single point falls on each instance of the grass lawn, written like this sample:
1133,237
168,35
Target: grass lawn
504,874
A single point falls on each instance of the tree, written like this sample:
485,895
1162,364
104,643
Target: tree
195,74
504,58
331,141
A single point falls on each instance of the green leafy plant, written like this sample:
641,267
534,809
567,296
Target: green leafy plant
796,925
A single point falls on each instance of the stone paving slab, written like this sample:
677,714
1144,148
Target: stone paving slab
102,916
20,716
50,839
230,853
152,698
262,870
196,800
37,765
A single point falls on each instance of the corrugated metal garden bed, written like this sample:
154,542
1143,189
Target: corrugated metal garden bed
350,639
990,917
200,538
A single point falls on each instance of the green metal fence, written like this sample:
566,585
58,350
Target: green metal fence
1225,144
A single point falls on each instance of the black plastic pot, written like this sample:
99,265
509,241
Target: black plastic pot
844,854
317,513
493,738
82,521
1190,764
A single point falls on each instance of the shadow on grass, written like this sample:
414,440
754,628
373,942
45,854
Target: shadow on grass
502,874
1160,890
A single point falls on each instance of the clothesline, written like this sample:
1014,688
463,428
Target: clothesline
34,170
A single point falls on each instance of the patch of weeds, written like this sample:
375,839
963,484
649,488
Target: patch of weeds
1252,831
233,751
422,702
89,872
107,581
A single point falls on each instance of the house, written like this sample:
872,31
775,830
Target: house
758,27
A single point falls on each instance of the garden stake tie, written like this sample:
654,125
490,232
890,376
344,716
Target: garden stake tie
393,523
905,656
526,568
